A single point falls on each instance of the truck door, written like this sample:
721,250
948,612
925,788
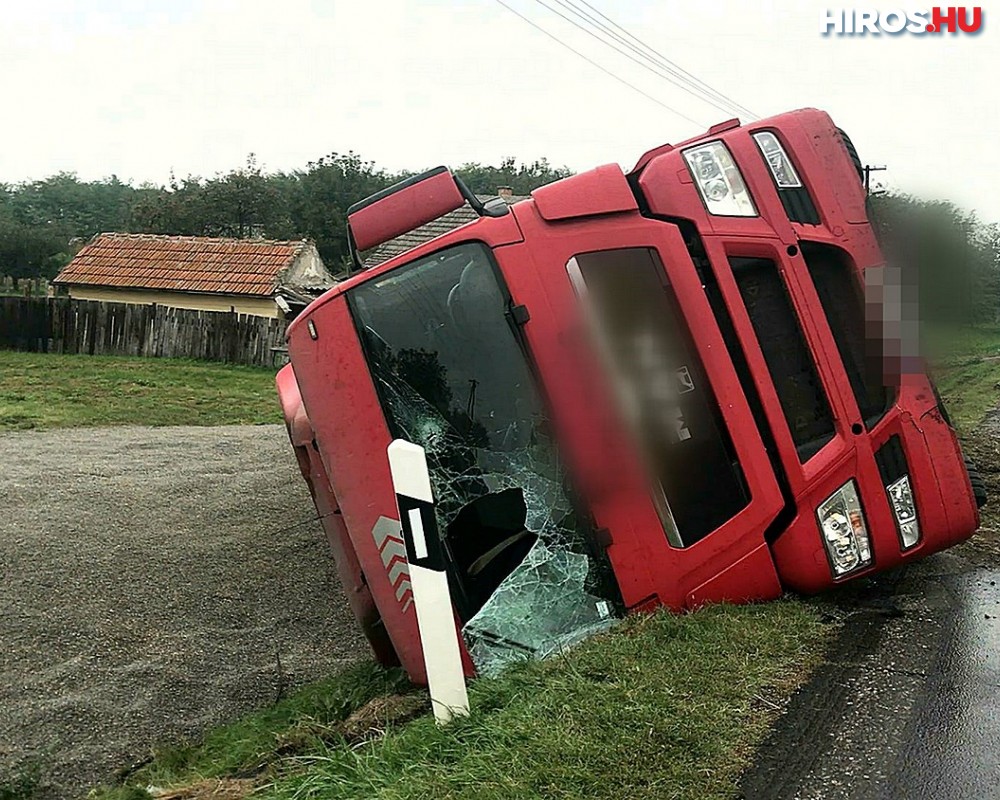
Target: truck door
669,459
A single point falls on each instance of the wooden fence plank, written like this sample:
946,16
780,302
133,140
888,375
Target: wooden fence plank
65,325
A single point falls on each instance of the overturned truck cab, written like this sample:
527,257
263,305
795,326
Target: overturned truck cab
658,388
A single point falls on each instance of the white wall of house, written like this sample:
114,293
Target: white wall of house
202,301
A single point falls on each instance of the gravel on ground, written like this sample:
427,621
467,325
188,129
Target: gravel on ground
150,581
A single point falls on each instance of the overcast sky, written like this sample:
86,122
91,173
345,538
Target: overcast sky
138,89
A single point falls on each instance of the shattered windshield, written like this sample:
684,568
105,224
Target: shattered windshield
452,377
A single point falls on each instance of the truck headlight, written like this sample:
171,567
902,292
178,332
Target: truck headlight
777,160
842,526
901,499
719,180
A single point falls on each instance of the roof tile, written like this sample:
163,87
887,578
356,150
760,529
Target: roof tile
184,263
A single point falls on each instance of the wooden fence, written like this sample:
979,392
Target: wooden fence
64,325
24,287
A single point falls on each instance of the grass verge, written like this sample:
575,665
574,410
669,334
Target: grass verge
45,390
968,374
664,706
969,381
255,744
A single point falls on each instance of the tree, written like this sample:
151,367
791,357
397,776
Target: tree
323,192
177,208
31,251
954,258
521,178
79,208
242,203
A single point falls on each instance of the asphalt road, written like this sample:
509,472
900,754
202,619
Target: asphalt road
150,581
908,706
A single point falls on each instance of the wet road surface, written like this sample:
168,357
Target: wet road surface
908,706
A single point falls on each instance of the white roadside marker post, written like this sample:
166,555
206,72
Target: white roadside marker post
431,595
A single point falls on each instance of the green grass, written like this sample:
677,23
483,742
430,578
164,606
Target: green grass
55,391
22,784
968,373
255,742
664,706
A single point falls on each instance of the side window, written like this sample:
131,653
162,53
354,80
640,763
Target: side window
840,293
789,360
663,390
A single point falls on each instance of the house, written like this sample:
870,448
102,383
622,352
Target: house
433,229
247,276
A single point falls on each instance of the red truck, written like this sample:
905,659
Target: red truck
635,390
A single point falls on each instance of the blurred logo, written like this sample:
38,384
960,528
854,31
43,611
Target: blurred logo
685,383
894,21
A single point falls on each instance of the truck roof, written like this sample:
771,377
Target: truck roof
576,195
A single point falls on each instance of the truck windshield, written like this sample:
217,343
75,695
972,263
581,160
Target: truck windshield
452,377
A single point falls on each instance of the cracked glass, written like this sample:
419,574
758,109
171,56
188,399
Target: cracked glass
452,377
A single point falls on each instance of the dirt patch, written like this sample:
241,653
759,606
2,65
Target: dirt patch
373,719
983,447
223,789
151,579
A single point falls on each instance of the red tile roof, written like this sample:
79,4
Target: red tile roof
181,263
433,229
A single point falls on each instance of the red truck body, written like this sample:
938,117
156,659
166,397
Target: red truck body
785,436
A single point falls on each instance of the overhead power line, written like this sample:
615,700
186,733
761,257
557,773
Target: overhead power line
659,61
666,74
667,63
603,69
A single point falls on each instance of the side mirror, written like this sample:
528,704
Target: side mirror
407,205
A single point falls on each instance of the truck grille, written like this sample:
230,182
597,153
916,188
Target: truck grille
799,206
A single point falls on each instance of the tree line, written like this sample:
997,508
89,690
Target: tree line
952,256
44,222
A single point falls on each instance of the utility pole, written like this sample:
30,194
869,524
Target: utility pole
869,169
